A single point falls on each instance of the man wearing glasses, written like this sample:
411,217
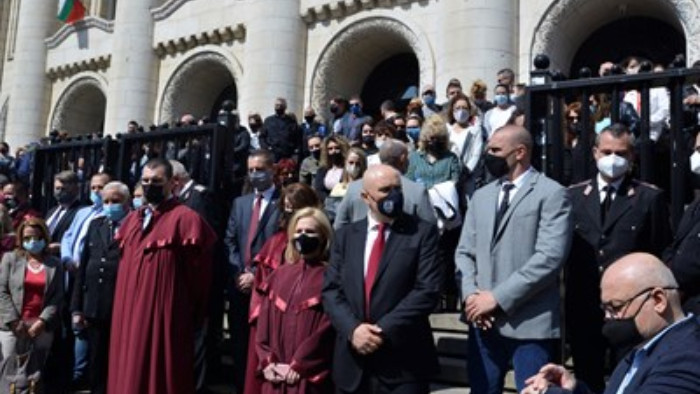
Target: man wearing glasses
642,308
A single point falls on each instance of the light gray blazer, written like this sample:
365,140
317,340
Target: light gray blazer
12,271
353,209
520,265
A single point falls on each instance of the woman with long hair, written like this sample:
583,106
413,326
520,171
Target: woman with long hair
294,339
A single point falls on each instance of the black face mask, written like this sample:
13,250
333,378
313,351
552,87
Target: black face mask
63,196
496,166
316,154
254,127
334,109
434,146
623,334
307,244
309,119
11,203
391,206
335,158
154,194
279,111
368,139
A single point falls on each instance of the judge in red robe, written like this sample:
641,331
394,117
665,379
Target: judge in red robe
161,291
293,198
294,339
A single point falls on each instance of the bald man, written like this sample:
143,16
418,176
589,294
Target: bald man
643,311
382,283
514,240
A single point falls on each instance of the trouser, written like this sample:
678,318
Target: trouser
80,355
372,385
97,334
200,360
239,304
489,356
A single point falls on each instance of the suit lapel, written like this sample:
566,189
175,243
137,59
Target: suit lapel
269,209
489,211
622,203
687,222
392,245
355,264
519,196
591,200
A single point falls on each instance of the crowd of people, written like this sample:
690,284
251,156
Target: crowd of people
341,241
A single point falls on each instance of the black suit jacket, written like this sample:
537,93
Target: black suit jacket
638,221
683,256
93,292
65,221
201,200
236,237
406,290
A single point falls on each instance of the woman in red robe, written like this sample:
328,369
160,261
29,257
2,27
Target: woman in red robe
294,197
161,292
294,339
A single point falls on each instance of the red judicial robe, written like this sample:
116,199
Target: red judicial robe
270,257
160,298
293,328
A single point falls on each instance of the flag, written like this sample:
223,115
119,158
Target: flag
70,11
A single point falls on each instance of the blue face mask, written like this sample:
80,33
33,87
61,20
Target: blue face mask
137,202
429,99
501,100
413,132
34,246
114,212
96,198
356,109
391,206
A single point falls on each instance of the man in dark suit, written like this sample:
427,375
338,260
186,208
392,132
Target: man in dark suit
613,215
254,218
643,308
682,255
60,217
194,195
514,242
93,290
383,281
280,134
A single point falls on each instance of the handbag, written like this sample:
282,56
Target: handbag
20,373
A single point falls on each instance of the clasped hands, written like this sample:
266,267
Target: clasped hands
479,308
367,338
33,330
278,373
549,375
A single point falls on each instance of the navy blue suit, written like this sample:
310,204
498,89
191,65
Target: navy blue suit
406,290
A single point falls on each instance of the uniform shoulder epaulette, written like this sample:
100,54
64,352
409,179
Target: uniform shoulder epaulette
647,184
581,184
200,188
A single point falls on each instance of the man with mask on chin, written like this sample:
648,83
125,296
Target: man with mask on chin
383,282
514,241
614,215
162,290
253,219
641,302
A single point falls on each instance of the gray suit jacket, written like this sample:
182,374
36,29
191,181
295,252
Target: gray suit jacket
12,270
353,209
520,264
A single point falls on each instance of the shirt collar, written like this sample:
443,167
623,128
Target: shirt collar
520,180
373,224
602,183
267,194
187,187
647,346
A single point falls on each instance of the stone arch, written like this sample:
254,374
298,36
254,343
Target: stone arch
81,107
566,24
356,49
196,86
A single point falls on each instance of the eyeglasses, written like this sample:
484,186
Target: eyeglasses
613,308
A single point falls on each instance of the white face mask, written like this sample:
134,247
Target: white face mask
695,163
378,143
352,170
612,166
461,116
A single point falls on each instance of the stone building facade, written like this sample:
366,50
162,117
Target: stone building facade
153,60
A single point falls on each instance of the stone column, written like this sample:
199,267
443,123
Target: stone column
133,73
479,37
29,85
275,57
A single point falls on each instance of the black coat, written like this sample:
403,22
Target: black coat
65,221
93,292
202,201
406,290
281,135
683,256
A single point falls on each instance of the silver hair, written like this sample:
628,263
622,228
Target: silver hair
179,169
119,187
392,151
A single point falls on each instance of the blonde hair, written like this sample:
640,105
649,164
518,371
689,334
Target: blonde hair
435,127
325,232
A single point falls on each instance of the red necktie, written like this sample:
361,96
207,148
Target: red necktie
375,257
253,228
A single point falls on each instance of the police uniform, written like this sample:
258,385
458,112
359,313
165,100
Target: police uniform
637,221
201,200
682,257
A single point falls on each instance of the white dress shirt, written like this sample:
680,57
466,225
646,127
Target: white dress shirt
602,184
372,232
517,185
